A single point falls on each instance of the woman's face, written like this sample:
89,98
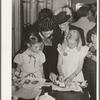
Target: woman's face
94,39
90,16
94,7
71,43
47,34
63,26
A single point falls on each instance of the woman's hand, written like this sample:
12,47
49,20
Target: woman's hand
94,58
61,78
53,77
69,79
48,41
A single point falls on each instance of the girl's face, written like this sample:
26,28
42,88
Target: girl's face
93,38
72,44
94,7
90,16
47,34
72,39
63,26
35,47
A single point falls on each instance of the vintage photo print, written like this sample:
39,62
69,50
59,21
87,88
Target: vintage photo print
50,50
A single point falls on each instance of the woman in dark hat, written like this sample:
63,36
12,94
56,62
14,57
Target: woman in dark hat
64,19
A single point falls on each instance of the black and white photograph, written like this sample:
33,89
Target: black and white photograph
53,50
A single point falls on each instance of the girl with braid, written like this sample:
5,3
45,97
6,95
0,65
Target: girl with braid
31,60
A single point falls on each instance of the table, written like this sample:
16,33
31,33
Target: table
72,95
66,95
63,95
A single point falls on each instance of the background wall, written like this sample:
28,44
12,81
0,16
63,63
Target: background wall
34,7
83,1
16,26
59,3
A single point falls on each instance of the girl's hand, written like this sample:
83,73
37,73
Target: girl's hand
90,45
93,57
69,80
53,77
89,54
61,78
43,76
17,74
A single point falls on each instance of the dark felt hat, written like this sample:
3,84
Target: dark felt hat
61,17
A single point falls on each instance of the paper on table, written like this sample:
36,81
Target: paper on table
27,93
34,82
30,89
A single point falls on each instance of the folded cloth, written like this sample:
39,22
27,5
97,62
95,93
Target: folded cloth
74,86
29,82
60,84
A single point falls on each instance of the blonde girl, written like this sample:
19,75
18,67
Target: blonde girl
71,58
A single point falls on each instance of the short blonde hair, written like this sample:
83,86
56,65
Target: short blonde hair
78,39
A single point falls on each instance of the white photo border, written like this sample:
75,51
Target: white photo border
6,49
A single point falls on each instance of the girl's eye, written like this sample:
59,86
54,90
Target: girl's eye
64,24
37,47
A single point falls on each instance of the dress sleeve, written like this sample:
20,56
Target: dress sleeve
18,59
83,52
42,57
59,49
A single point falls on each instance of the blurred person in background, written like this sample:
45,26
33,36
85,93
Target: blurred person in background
83,21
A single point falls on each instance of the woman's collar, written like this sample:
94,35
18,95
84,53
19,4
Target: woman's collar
46,41
41,36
